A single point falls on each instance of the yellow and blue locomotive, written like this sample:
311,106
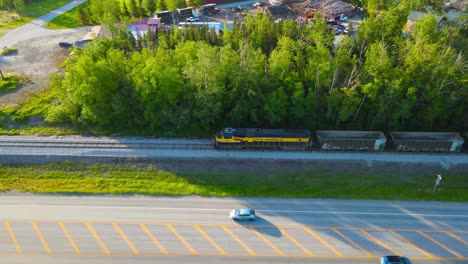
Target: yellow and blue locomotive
256,138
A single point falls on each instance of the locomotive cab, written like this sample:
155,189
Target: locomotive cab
226,133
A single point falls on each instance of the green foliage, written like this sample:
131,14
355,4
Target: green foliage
10,82
30,10
75,17
8,51
267,74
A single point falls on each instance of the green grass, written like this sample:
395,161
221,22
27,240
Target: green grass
10,82
32,11
66,20
71,177
35,106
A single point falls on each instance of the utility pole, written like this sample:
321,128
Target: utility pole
437,182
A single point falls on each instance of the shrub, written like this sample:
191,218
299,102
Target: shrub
9,51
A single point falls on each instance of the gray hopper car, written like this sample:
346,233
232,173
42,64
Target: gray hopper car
427,141
351,140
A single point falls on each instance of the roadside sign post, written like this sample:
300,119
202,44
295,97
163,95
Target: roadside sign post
437,182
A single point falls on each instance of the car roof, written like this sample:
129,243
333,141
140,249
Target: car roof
244,211
395,259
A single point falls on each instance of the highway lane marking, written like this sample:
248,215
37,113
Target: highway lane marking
323,241
7,222
295,242
238,240
378,241
153,238
41,238
187,245
456,237
440,244
218,255
235,225
125,238
352,243
411,244
267,241
220,250
70,239
227,210
98,239
12,236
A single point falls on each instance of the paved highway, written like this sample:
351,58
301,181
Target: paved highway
141,229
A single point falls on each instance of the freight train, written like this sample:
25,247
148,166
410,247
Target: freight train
302,139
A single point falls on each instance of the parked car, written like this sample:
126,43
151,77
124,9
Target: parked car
242,214
237,9
341,17
65,44
345,24
259,4
193,19
394,260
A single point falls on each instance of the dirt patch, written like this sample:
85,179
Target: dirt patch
36,59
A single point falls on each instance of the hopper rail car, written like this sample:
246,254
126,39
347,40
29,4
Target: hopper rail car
302,139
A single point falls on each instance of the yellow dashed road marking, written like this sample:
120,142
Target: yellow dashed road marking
220,250
193,251
352,242
238,240
125,238
411,244
267,241
376,240
70,239
456,237
310,230
440,244
295,242
98,239
322,241
12,236
155,241
39,234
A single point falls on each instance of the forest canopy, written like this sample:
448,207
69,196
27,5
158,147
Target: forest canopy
270,74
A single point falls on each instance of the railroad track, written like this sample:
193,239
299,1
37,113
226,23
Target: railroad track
104,142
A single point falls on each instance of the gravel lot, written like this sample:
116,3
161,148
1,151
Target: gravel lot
38,53
37,59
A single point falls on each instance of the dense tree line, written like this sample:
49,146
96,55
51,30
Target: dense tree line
17,5
267,74
102,11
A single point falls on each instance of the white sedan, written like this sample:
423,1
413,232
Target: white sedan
242,214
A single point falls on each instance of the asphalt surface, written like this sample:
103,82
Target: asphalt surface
36,29
142,229
14,259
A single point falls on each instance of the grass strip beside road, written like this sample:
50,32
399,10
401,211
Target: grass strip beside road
68,19
32,11
145,179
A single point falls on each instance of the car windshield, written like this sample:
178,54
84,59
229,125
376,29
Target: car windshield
237,212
